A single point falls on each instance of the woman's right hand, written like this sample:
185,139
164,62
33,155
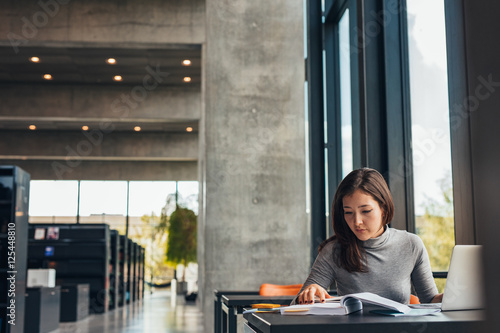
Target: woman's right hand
307,295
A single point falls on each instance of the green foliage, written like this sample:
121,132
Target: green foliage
162,226
182,234
437,229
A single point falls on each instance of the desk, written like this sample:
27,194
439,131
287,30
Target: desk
42,309
74,302
232,305
364,321
218,305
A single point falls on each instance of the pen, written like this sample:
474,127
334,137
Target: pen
296,310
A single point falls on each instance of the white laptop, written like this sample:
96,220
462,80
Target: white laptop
464,286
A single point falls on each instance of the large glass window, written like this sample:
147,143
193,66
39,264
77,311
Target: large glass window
148,198
103,202
188,193
53,201
339,68
145,204
147,201
433,194
149,204
345,93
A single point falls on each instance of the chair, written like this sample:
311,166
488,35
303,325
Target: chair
414,299
268,289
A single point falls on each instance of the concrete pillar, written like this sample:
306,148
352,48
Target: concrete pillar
253,226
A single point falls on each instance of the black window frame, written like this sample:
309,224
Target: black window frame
334,11
381,108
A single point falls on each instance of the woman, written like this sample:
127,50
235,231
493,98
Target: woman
365,255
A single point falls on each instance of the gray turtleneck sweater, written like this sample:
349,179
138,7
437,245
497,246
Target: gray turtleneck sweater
395,260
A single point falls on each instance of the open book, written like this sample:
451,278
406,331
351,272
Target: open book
347,304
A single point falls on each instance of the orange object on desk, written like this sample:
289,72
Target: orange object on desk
265,306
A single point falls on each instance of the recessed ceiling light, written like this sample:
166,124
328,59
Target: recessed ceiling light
189,129
187,79
111,61
137,128
117,78
186,62
85,128
47,77
35,59
32,127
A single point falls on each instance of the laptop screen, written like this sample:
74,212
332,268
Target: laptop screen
464,286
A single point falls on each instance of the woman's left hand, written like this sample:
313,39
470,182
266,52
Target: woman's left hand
438,298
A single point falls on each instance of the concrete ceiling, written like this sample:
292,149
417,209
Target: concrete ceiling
86,65
57,124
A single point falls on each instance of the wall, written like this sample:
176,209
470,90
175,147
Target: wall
482,53
253,223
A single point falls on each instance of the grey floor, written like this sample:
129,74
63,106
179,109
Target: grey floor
155,313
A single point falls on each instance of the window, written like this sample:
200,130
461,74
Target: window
148,198
386,106
103,202
146,202
433,195
53,201
341,107
188,195
345,93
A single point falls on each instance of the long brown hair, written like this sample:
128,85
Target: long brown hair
371,182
